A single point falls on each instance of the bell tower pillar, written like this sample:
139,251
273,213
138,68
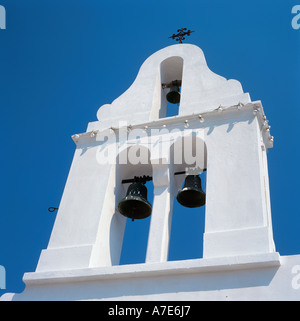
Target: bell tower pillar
160,227
238,214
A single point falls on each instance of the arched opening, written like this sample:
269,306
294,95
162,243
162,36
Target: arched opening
131,162
189,155
171,71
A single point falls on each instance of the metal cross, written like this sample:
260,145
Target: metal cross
181,34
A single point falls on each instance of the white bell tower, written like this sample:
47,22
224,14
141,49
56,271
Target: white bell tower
218,129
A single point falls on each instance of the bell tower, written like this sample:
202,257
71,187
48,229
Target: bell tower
219,130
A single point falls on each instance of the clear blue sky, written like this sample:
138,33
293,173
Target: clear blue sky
61,60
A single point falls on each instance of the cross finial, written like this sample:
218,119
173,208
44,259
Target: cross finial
181,34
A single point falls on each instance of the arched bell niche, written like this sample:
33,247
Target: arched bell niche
188,154
171,69
133,161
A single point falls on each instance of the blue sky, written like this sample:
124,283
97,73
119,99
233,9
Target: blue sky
61,60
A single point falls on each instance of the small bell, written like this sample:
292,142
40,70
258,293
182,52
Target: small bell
135,204
173,95
191,195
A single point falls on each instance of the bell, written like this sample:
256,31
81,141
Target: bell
173,95
135,204
191,194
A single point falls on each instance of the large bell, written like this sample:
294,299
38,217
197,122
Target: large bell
191,195
173,95
135,204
